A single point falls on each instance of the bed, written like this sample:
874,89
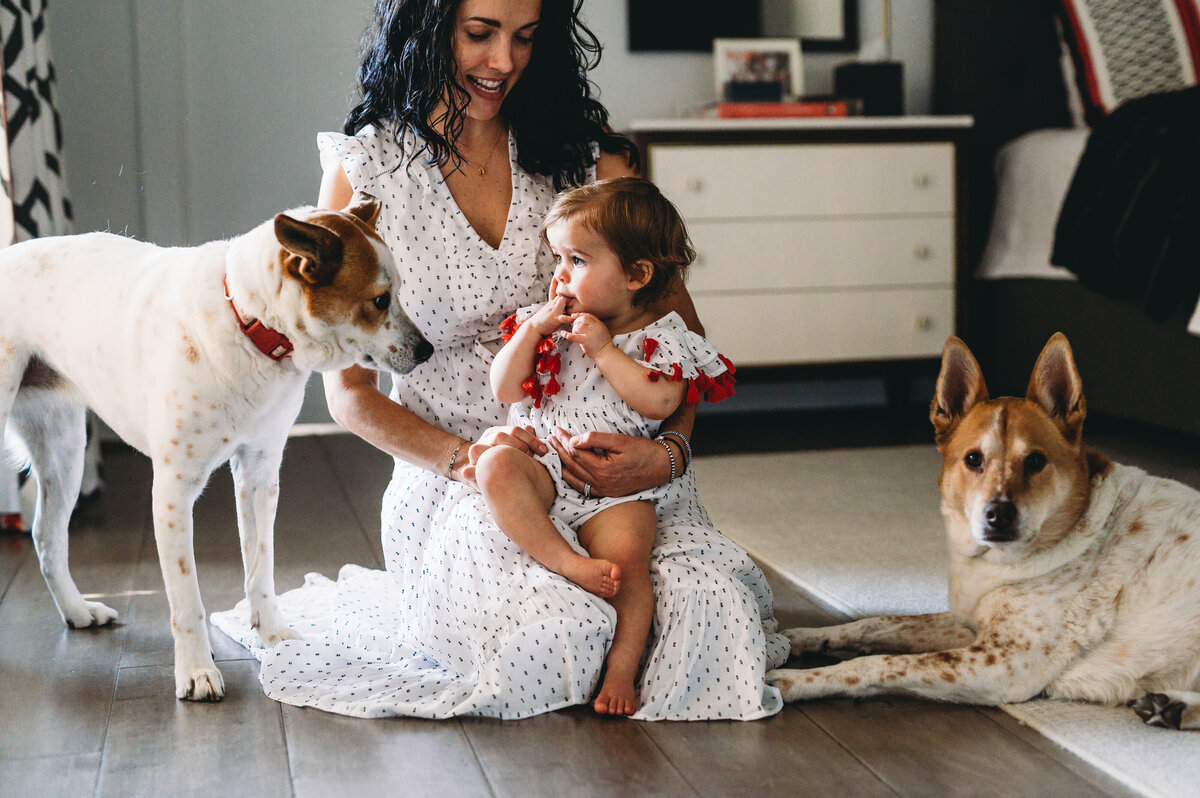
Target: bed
1004,63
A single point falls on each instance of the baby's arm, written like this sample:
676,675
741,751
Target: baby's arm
516,360
656,399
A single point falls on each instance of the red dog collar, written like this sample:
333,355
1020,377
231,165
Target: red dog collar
274,345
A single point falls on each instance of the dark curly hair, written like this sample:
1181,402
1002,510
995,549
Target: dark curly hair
408,64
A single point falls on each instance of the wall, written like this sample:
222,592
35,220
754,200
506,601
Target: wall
189,120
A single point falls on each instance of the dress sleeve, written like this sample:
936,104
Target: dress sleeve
680,354
352,153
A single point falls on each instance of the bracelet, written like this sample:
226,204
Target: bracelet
453,457
687,448
670,454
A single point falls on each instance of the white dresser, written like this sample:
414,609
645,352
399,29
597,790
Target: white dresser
819,241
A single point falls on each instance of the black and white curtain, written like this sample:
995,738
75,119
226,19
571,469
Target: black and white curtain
34,201
36,188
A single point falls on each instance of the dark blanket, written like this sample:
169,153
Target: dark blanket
1130,224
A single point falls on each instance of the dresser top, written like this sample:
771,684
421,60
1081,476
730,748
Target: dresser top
801,123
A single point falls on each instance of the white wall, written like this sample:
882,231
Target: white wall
188,120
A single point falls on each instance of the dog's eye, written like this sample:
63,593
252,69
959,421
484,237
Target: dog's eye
1035,462
382,301
974,459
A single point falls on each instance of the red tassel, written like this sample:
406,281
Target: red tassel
676,372
703,382
722,388
653,375
508,328
648,347
529,386
553,362
693,394
545,345
552,386
728,365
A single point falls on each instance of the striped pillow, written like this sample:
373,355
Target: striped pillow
1124,49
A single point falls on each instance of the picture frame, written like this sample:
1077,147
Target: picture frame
758,70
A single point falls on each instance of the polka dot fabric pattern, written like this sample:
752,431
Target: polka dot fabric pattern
1125,49
462,621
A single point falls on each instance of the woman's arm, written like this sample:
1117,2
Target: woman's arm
356,403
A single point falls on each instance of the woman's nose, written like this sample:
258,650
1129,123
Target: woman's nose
501,59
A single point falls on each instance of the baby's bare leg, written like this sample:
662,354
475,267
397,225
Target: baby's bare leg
624,534
519,491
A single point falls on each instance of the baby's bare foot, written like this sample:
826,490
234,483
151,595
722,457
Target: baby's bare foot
600,577
617,696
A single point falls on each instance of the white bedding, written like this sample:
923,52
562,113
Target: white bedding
1033,173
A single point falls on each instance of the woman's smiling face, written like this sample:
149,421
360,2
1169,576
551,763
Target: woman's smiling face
493,41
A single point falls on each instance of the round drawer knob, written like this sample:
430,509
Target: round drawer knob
922,252
922,180
924,322
695,185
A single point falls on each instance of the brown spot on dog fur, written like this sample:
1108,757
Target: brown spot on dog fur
183,566
39,375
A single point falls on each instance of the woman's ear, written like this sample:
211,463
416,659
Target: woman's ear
640,273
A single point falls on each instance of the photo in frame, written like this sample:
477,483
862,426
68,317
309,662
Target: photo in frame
758,70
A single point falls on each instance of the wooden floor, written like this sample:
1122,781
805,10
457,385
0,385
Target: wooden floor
93,712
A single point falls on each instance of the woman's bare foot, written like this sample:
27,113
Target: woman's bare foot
618,696
601,577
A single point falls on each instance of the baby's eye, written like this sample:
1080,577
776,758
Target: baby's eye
578,261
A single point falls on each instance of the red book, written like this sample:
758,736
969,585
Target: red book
814,107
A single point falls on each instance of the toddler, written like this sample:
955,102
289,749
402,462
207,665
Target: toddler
597,356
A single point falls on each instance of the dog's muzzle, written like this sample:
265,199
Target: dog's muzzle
999,521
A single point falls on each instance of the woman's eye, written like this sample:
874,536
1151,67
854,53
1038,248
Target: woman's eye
382,301
974,459
1035,462
477,37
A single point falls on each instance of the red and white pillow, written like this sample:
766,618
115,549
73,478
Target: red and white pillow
1124,49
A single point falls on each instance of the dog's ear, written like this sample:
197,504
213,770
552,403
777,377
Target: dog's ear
960,387
317,251
1055,386
365,207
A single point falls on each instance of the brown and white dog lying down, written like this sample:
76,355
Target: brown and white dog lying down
1071,576
187,353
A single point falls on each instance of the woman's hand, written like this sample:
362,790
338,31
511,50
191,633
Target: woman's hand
612,464
590,333
522,438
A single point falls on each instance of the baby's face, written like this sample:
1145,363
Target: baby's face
588,273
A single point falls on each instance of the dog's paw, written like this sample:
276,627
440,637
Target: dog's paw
205,684
807,641
270,637
89,613
787,681
1170,709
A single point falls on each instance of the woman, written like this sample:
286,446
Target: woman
474,113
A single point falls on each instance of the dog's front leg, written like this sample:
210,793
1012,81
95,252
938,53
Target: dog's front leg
174,493
256,488
901,634
1172,709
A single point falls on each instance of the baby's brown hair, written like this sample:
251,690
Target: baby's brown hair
638,222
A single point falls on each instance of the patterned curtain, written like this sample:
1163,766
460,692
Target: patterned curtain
36,187
34,201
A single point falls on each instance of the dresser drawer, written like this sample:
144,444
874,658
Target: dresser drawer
779,180
828,326
811,253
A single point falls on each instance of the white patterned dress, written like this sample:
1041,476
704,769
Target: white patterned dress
462,621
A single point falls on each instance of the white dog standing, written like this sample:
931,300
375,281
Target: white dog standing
195,356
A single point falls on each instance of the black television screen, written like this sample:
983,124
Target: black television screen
689,24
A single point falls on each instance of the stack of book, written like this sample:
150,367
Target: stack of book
807,106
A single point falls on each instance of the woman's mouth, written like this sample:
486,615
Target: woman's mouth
490,89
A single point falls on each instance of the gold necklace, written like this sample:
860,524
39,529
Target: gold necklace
483,167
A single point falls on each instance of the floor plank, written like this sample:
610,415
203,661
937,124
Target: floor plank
60,776
397,756
159,746
572,752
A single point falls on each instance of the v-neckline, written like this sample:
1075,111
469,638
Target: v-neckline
512,198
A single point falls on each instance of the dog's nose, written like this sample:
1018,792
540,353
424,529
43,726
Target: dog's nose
423,351
999,516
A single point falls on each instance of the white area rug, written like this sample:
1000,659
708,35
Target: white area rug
861,530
